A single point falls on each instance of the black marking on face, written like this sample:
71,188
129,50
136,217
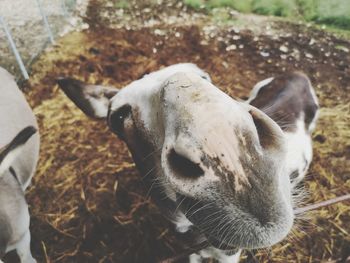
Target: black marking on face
14,174
294,175
21,138
306,163
116,119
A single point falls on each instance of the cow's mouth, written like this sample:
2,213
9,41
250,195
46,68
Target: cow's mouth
196,214
232,230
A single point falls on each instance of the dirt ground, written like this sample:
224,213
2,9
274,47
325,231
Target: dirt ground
88,202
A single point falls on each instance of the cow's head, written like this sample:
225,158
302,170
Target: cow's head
222,161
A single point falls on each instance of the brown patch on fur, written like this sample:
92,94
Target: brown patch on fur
234,180
285,98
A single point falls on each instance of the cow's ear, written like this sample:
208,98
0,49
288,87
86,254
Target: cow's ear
270,134
93,100
10,152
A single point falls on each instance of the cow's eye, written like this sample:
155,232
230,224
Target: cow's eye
117,118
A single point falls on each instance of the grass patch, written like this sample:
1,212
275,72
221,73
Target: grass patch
335,13
242,6
124,4
284,8
338,22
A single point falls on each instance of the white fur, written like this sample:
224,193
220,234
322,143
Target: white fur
299,147
23,249
153,83
216,254
257,87
100,106
312,125
15,114
182,223
10,159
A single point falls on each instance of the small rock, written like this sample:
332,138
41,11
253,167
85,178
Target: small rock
224,63
284,49
283,56
231,47
236,37
264,54
308,55
159,32
296,54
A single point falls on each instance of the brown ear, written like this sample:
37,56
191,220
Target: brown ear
93,100
9,153
270,134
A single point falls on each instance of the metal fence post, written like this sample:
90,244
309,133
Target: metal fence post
14,49
64,8
46,22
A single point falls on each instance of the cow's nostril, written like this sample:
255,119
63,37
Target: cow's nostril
183,167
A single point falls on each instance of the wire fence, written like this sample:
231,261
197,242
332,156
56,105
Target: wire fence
27,27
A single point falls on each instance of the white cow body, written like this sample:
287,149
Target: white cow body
17,167
15,114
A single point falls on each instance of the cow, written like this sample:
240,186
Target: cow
19,153
290,100
214,165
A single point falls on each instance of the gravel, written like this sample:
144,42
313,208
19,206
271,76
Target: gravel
26,25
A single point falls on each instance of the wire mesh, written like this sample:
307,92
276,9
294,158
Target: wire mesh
32,25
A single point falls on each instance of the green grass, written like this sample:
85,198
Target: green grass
121,4
335,13
240,5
